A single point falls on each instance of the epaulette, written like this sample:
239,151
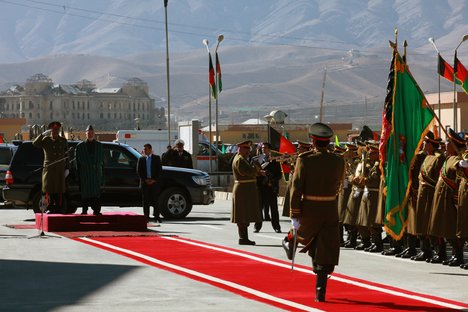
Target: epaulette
305,154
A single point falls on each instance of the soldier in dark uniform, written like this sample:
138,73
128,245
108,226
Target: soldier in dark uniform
269,188
245,202
55,168
443,219
180,157
316,182
462,215
90,163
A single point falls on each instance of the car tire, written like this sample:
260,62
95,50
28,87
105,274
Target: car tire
174,203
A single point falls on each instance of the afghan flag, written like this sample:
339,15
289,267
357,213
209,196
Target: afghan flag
412,118
218,74
444,69
461,73
279,143
211,78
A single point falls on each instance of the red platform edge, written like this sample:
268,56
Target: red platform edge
109,221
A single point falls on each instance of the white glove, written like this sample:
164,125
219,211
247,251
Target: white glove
295,223
47,132
66,173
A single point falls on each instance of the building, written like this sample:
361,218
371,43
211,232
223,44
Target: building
447,112
40,101
11,128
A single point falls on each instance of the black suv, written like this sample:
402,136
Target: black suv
6,154
180,188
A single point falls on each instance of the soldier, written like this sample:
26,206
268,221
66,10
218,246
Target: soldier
245,202
316,182
367,226
418,215
302,147
462,215
90,163
443,219
354,201
180,157
55,168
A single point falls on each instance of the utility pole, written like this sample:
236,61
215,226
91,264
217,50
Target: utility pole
321,97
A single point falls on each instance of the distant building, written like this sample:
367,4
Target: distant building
39,101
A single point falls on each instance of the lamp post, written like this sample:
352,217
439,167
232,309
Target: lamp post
268,118
137,121
167,80
220,38
455,115
205,43
431,40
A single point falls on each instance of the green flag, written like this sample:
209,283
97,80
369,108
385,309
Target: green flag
412,116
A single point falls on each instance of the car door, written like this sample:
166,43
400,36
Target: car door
121,180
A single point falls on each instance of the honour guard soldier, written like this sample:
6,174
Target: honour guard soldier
316,182
245,201
55,168
443,219
462,218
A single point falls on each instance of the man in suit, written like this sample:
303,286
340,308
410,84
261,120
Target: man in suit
314,205
149,170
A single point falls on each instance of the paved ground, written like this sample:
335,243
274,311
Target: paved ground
59,274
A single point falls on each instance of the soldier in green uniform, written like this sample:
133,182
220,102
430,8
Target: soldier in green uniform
245,201
90,163
443,219
55,168
316,182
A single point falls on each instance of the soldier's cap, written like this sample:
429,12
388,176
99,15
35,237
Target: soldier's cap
458,138
303,144
179,142
320,131
431,138
54,125
247,143
89,128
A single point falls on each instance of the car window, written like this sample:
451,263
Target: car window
116,158
5,155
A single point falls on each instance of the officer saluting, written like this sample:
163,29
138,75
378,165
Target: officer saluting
314,206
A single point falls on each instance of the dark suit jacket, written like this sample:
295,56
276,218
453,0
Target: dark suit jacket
156,168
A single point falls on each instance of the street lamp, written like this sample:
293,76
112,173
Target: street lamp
268,118
137,120
455,121
167,80
431,40
205,43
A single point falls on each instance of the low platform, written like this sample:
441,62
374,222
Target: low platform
110,221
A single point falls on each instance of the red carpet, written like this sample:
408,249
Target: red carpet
266,279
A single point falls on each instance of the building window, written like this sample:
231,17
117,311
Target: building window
50,105
30,115
73,104
31,105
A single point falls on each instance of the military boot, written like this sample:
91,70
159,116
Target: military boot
321,286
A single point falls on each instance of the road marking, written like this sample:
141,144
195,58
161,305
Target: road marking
211,226
204,276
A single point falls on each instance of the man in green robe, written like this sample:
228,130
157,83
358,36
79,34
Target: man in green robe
90,163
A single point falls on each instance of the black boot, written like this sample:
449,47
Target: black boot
321,286
351,243
365,243
244,236
288,247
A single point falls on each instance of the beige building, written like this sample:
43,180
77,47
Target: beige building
39,101
10,128
446,110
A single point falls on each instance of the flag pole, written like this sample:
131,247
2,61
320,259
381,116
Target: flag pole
455,92
167,80
205,42
431,40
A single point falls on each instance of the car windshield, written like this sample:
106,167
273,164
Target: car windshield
5,156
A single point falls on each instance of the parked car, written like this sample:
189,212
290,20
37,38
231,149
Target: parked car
180,188
6,154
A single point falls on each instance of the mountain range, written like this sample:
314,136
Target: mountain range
274,54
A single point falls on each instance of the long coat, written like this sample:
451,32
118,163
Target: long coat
53,173
90,163
343,197
354,200
428,175
462,210
443,219
413,194
245,198
319,175
370,199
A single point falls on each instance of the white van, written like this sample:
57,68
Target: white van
137,138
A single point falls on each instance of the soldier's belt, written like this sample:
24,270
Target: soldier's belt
372,189
319,198
428,184
246,181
